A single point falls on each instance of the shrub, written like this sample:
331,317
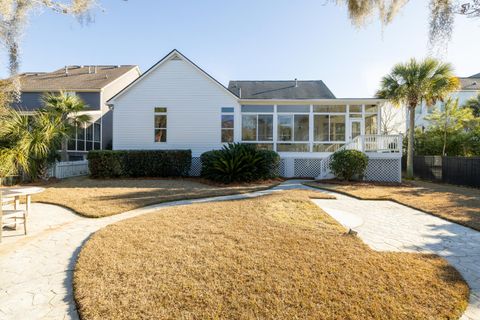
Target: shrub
239,163
346,164
139,163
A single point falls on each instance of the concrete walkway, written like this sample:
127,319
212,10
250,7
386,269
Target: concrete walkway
36,271
389,226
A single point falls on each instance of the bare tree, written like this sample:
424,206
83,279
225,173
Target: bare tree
391,119
14,18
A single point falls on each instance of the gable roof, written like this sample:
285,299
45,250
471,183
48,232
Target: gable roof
73,78
315,89
172,55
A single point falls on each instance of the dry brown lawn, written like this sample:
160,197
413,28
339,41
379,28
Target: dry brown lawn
454,203
273,257
96,198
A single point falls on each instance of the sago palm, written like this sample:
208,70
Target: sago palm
67,110
413,83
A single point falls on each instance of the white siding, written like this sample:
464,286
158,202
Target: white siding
461,95
193,103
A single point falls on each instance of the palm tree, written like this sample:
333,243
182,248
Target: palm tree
67,110
27,143
414,83
474,104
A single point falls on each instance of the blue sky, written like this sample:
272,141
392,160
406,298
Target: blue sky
246,40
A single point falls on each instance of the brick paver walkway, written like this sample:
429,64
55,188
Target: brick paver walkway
388,226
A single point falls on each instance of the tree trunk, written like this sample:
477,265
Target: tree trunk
445,126
411,139
64,153
444,142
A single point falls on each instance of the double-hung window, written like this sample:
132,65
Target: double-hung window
160,124
228,124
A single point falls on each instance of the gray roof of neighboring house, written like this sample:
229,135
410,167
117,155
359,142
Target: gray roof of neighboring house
281,89
470,83
78,78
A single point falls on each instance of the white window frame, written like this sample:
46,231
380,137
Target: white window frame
155,113
227,113
256,133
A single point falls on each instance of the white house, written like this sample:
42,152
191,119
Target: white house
177,105
469,88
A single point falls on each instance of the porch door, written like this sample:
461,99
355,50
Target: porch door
356,128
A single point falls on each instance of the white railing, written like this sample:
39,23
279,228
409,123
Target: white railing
365,143
381,143
67,169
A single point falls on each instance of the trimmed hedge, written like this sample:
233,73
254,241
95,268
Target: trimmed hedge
139,163
239,162
348,164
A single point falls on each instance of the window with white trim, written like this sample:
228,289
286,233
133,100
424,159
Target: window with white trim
85,137
160,124
228,124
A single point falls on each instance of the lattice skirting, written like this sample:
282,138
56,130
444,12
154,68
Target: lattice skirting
384,170
378,169
307,168
196,167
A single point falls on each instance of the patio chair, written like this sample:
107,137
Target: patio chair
14,215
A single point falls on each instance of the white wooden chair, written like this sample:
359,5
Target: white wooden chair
14,215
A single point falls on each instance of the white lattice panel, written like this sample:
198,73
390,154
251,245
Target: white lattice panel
196,167
280,170
384,170
307,168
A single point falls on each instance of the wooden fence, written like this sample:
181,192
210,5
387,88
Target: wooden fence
455,170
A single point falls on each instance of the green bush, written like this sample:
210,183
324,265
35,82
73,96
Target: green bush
346,164
139,163
239,163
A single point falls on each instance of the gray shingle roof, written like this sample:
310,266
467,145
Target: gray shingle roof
281,89
78,78
470,83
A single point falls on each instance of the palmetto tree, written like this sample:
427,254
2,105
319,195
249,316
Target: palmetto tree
414,83
26,142
66,109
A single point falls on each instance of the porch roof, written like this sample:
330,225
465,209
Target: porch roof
338,101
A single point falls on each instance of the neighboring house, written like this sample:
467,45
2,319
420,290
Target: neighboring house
94,85
469,88
176,105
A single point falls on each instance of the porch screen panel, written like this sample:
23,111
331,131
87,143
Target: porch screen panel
301,127
285,130
337,128
371,125
321,128
249,127
265,127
